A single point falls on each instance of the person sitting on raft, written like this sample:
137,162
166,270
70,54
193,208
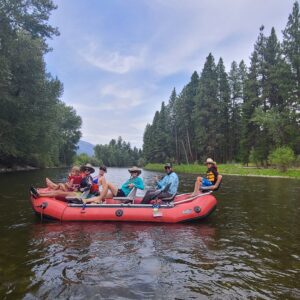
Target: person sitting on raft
72,184
133,182
212,179
99,181
170,178
101,176
82,192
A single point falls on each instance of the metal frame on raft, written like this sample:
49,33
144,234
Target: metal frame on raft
169,205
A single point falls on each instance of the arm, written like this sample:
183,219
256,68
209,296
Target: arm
174,184
215,186
162,183
87,184
69,183
126,184
101,180
139,184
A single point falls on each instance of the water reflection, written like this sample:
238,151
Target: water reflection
249,248
115,260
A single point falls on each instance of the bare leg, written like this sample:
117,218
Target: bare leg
57,193
51,184
198,183
113,190
105,194
63,187
99,198
104,191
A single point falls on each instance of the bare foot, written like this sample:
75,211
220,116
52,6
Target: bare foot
195,194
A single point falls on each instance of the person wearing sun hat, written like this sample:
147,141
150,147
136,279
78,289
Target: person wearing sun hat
87,167
127,186
82,192
211,178
170,179
87,180
110,191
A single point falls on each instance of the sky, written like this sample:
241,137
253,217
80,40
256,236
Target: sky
119,59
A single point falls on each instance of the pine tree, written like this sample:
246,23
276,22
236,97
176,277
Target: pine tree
291,42
185,107
206,110
251,100
223,117
173,125
237,77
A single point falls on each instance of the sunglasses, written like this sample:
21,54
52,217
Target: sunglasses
166,168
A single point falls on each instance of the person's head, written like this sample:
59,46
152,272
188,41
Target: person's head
168,168
134,171
210,163
102,170
87,169
75,171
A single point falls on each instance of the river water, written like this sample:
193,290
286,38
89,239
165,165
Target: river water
249,248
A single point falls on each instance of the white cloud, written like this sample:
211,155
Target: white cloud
108,60
119,98
117,81
189,30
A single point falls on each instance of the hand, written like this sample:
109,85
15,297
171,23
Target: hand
130,185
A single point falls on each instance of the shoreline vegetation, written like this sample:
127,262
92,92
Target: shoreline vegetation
229,169
247,113
4,169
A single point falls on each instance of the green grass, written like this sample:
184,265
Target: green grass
230,169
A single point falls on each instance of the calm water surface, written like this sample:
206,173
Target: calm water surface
249,248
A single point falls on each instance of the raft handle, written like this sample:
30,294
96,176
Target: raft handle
197,209
43,205
119,212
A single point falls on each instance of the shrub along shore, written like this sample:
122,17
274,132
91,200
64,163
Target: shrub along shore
230,169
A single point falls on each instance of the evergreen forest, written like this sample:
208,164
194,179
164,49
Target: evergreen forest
118,153
237,116
36,127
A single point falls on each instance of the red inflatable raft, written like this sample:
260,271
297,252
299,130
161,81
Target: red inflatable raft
183,208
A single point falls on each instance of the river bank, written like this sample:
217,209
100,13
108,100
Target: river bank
4,169
230,169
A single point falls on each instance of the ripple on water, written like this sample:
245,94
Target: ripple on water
248,249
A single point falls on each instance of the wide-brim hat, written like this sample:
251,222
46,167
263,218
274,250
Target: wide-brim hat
210,161
88,167
168,165
135,169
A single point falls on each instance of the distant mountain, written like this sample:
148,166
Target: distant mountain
85,147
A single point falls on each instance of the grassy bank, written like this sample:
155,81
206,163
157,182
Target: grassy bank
230,169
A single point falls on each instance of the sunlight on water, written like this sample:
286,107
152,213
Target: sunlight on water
248,248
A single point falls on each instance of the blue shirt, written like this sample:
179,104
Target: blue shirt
169,178
137,182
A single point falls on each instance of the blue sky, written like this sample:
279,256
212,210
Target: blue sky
119,59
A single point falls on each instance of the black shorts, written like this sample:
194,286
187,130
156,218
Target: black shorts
120,193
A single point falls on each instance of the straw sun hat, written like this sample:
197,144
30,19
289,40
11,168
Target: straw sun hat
135,169
88,167
210,161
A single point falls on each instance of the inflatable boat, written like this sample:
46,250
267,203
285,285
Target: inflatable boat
183,207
